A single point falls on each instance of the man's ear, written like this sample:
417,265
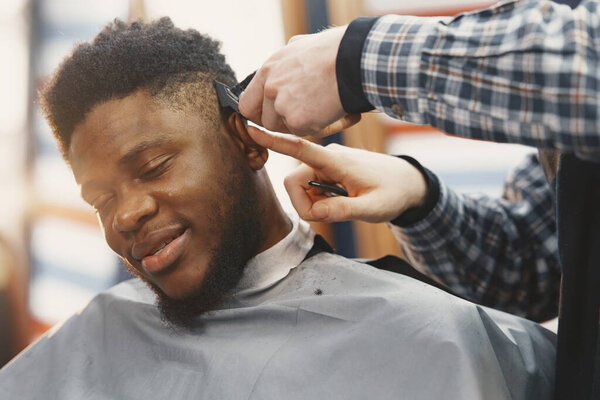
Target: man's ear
256,155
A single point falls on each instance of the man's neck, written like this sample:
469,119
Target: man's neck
278,226
276,223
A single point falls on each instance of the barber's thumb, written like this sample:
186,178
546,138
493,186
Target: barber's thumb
332,209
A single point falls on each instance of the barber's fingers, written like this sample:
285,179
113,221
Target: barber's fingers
269,118
334,209
341,208
251,100
258,105
331,209
300,192
313,204
310,153
345,122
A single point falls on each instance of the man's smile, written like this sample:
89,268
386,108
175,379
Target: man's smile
161,248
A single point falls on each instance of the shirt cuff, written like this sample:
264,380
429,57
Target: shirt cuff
347,66
439,227
415,214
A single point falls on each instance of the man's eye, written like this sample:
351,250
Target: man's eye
100,204
156,171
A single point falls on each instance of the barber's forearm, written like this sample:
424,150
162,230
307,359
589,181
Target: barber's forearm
520,72
498,252
454,244
425,234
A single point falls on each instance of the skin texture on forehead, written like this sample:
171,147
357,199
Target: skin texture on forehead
168,106
146,118
210,185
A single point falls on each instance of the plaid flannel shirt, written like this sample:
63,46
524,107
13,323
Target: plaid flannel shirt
520,71
499,252
523,72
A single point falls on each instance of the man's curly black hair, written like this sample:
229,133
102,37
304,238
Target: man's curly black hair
173,65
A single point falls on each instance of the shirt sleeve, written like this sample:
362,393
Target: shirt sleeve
521,71
501,253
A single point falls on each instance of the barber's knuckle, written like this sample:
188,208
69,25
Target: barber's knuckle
265,69
271,91
295,122
296,142
335,152
302,146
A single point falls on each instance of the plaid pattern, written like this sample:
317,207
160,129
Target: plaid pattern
502,253
522,72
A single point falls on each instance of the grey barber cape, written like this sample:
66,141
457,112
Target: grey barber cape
323,328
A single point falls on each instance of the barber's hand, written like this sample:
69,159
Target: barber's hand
380,187
296,89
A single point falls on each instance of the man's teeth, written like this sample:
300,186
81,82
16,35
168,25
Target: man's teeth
161,247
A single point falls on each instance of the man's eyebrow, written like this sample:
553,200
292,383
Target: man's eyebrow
139,148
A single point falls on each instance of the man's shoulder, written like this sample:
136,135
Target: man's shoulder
82,340
337,275
333,282
121,299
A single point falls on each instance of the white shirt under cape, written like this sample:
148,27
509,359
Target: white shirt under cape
324,328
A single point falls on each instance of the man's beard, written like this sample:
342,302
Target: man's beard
240,240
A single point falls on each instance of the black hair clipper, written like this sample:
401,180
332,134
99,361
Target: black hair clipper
230,96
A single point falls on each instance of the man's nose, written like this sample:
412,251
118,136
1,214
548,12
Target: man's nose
133,210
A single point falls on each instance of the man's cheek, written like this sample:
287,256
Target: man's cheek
105,225
113,243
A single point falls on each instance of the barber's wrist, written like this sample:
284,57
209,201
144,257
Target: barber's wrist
348,61
427,203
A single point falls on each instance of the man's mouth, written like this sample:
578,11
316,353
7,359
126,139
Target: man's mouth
161,249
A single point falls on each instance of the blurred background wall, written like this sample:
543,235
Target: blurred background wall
53,258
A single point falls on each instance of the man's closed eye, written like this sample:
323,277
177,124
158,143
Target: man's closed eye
156,170
101,203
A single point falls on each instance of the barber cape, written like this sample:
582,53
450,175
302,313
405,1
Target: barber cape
321,328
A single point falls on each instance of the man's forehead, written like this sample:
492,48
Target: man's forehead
121,129
133,109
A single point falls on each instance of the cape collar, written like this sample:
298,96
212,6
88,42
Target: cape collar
275,263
